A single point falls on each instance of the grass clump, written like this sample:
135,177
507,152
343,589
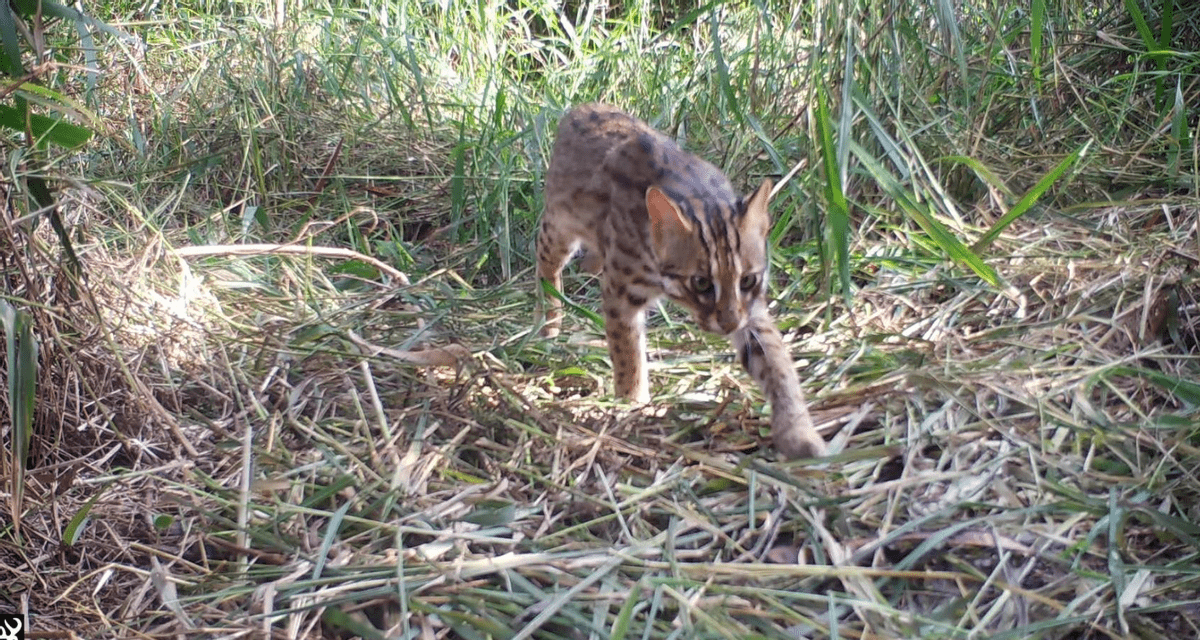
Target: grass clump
299,393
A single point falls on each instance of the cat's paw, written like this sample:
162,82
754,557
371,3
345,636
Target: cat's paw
796,444
795,437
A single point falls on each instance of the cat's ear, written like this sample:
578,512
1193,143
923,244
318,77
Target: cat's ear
667,221
757,220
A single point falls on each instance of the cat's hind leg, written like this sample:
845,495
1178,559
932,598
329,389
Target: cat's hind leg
555,246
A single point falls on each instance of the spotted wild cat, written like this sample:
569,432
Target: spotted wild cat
656,221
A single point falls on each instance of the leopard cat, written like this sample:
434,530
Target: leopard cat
654,220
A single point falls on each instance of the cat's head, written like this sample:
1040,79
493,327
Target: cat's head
711,252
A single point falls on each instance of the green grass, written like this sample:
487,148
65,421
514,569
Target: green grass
984,263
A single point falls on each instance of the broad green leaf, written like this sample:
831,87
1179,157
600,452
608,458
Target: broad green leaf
59,102
10,44
44,128
21,356
356,268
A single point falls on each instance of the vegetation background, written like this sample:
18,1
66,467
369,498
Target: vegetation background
271,346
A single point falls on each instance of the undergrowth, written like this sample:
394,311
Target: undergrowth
299,393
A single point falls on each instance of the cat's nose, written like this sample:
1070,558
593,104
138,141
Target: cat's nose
728,323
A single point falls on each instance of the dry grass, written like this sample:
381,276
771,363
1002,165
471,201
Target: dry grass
299,445
987,463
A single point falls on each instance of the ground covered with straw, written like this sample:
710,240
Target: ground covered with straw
298,391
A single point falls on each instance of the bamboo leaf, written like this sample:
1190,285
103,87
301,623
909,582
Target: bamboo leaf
21,369
10,43
44,128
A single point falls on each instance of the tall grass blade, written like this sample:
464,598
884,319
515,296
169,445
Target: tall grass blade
1030,198
414,67
591,316
1037,20
49,8
1116,566
1185,390
1031,630
838,215
458,184
1153,45
1164,43
624,619
331,531
947,16
921,214
687,18
846,120
731,101
981,170
87,45
882,135
1183,530
1168,23
1139,22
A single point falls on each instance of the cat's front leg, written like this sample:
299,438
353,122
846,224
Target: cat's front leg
761,351
625,330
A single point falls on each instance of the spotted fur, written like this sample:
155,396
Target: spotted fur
657,221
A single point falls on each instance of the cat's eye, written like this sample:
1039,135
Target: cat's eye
702,285
749,282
